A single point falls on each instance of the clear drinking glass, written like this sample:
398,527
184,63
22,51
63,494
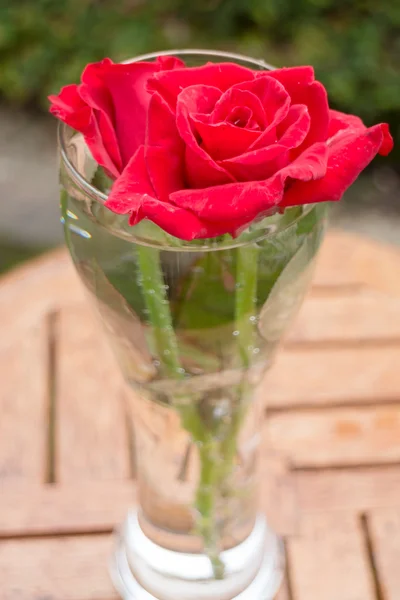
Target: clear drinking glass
194,326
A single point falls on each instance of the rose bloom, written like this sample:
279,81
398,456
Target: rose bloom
204,151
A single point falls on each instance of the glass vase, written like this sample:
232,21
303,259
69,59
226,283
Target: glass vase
194,326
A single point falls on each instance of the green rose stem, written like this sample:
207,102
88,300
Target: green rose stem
157,305
159,316
246,299
245,323
217,458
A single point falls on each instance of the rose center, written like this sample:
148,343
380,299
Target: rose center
242,116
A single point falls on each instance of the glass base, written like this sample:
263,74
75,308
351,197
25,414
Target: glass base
142,570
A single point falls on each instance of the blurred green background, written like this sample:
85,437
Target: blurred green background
353,44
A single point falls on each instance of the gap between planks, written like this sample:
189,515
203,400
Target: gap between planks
328,559
384,531
50,476
371,557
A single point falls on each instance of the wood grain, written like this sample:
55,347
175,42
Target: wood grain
61,509
337,436
334,376
367,316
91,433
329,560
30,292
352,489
347,259
73,568
23,407
384,528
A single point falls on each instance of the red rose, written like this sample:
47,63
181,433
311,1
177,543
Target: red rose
203,151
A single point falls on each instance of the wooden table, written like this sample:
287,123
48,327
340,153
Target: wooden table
334,415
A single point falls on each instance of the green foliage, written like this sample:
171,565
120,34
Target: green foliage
353,44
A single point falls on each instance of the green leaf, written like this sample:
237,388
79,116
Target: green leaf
101,181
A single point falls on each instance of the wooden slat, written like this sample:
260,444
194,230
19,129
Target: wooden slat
58,569
338,261
329,560
384,528
347,318
60,509
23,407
352,490
337,436
334,376
30,292
347,259
91,432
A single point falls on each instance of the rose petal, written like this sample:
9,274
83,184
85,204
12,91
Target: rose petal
236,204
201,169
220,75
234,201
235,97
245,201
132,194
119,92
315,98
258,164
176,221
199,99
132,186
350,151
303,89
182,223
387,142
223,140
166,63
240,116
264,162
339,120
95,93
276,104
70,108
293,130
164,149
272,95
127,86
291,78
312,164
